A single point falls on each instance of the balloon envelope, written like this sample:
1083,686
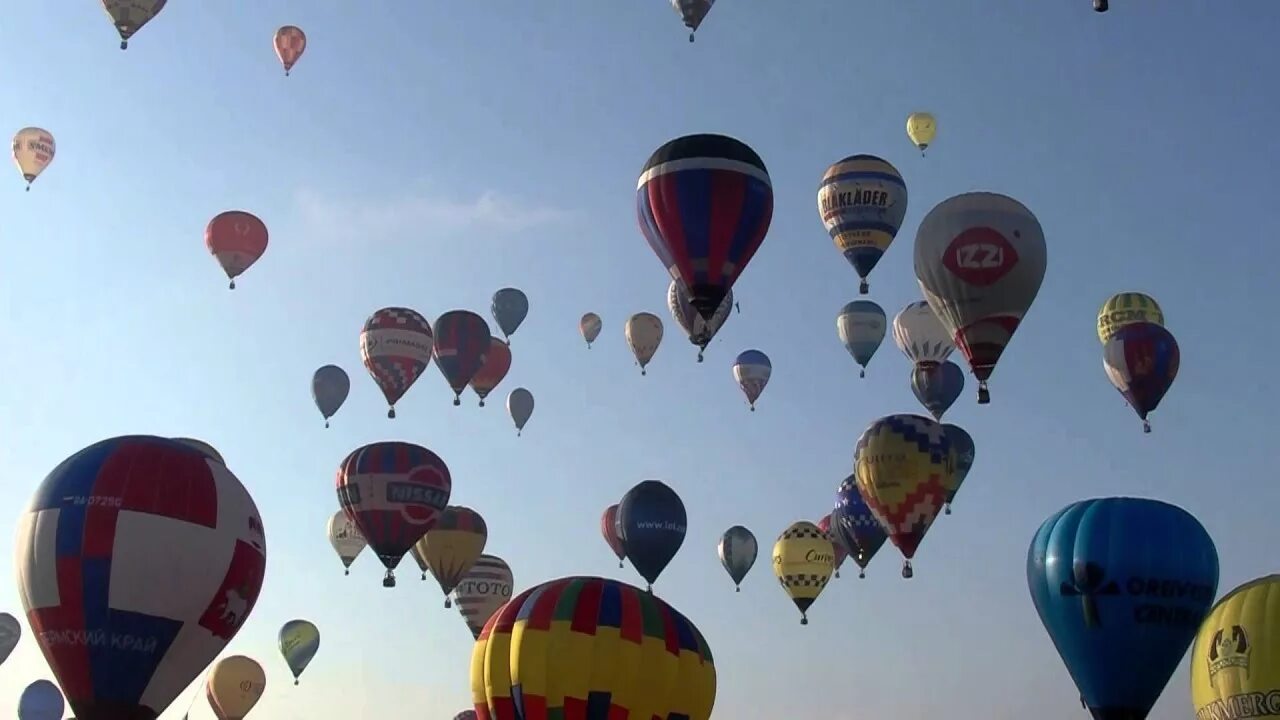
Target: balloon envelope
609,529
738,550
861,326
10,634
629,646
644,334
652,522
699,330
236,239
461,344
803,560
33,150
509,308
485,588
937,386
962,455
520,407
235,685
186,552
590,326
205,448
921,128
704,203
453,545
290,42
1235,661
395,347
299,640
329,388
1141,361
853,524
129,16
862,201
752,371
497,362
1121,585
41,700
920,336
345,537
1127,308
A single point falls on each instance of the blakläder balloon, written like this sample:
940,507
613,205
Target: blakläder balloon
862,201
633,656
1235,661
980,258
166,509
1121,585
699,198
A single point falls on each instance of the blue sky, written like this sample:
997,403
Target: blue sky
426,154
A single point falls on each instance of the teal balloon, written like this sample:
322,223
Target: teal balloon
861,326
299,641
510,307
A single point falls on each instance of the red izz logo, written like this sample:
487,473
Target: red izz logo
980,256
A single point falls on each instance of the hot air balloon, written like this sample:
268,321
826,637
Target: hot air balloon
1141,361
700,331
205,448
461,344
41,700
485,588
841,552
692,13
651,523
590,326
1235,671
394,492
920,336
290,42
415,552
129,16
862,201
980,258
346,539
609,529
235,685
855,526
704,203
1127,308
236,239
962,454
465,715
1121,585
299,640
10,633
453,545
520,408
921,127
738,550
329,388
633,656
644,334
395,346
751,371
903,466
497,361
937,386
185,546
803,560
33,150
861,326
509,308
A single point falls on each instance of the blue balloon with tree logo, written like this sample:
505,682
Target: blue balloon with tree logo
651,524
1122,584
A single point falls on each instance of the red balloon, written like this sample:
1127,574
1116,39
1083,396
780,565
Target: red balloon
236,239
394,492
497,361
609,529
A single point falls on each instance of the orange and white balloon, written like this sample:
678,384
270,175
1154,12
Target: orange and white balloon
236,239
290,43
33,150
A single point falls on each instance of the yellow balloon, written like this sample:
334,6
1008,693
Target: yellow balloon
452,546
1127,308
234,687
803,560
33,150
1235,661
921,127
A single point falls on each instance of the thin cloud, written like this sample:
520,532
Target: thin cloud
492,211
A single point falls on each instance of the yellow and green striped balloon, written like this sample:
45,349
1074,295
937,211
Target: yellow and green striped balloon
590,647
1127,308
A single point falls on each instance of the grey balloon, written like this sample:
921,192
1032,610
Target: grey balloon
329,388
510,307
520,405
738,550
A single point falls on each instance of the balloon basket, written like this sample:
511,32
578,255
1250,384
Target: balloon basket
447,604
389,580
737,589
907,572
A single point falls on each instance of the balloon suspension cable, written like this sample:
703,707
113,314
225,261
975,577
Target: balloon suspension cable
1146,426
389,580
984,395
231,285
391,412
907,572
862,373
457,400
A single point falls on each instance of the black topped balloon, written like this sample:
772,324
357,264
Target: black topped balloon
461,345
509,309
692,12
704,203
651,523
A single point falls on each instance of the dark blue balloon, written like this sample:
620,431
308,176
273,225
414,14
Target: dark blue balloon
937,386
651,523
854,526
963,452
1122,585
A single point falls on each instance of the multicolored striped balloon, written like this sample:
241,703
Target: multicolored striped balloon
586,647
